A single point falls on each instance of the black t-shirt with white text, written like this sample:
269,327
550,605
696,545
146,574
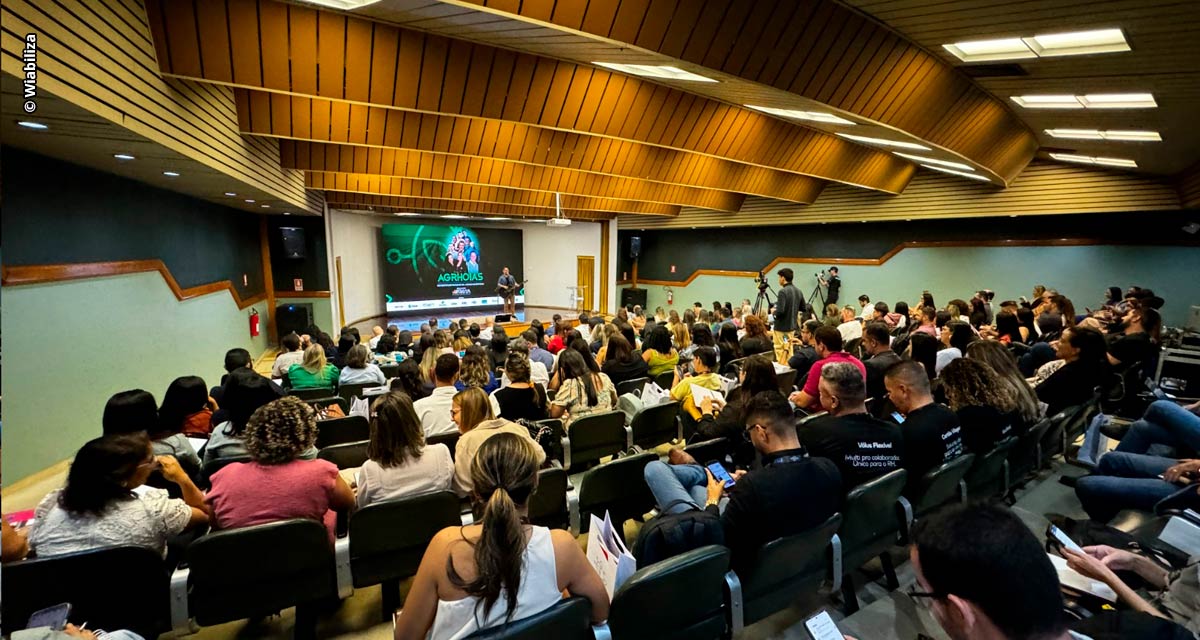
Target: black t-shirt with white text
932,437
861,446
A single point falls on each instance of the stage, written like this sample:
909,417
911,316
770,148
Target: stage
413,321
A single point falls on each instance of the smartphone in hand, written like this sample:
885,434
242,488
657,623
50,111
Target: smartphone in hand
1064,540
719,472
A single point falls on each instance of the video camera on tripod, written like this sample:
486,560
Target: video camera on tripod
761,281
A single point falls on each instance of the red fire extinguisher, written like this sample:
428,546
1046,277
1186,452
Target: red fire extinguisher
670,296
254,326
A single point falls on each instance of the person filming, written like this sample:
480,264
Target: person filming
834,284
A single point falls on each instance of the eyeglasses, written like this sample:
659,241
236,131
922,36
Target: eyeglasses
152,462
924,598
749,429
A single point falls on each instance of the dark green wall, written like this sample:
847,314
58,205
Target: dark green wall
752,248
313,268
56,212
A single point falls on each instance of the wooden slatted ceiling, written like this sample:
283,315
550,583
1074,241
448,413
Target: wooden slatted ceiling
99,55
484,171
461,78
292,117
384,185
1163,60
783,53
1043,188
394,204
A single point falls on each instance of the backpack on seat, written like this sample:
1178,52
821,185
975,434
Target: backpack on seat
670,534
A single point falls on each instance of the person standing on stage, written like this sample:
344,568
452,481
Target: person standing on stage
510,292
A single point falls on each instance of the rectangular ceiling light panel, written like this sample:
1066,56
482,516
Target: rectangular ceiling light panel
814,116
1043,46
654,71
1096,134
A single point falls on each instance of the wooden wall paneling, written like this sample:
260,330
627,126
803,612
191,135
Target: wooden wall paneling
392,204
331,47
490,201
243,38
216,62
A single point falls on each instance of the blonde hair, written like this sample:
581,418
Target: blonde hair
683,339
475,408
314,359
428,362
462,343
475,369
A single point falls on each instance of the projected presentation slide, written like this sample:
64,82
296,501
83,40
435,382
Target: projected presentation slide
429,266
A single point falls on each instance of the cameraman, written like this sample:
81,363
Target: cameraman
834,283
788,304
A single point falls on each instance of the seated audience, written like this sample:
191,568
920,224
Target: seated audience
955,337
833,315
521,399
986,407
245,393
376,335
851,325
291,354
638,319
600,340
923,348
1138,342
345,343
727,344
497,348
931,431
434,409
474,414
187,409
536,352
236,358
681,339
277,483
621,363
985,576
1008,330
861,446
359,369
581,391
898,319
500,570
1164,423
1085,368
560,338
1026,324
462,342
804,351
1029,409
928,322
315,372
829,350
657,352
702,337
703,367
429,355
104,503
584,328
876,343
555,323
790,494
756,339
538,373
727,419
476,371
130,412
399,463
408,380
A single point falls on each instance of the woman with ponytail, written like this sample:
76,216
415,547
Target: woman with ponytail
502,569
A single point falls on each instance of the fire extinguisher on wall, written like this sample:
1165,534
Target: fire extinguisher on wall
254,326
670,295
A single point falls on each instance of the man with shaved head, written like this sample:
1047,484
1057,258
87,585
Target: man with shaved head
932,435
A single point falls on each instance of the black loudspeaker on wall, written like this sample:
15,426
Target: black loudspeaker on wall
293,242
293,317
503,317
635,246
630,297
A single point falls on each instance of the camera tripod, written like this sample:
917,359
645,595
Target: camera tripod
812,302
763,297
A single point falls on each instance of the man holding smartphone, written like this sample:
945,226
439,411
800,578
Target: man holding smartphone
791,493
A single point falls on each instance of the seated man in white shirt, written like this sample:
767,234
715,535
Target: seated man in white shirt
376,334
434,410
866,309
292,354
851,326
485,330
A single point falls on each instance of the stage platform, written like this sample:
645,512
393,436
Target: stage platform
412,322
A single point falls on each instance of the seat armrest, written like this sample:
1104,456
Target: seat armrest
601,631
835,562
341,559
566,445
628,438
905,509
733,595
181,622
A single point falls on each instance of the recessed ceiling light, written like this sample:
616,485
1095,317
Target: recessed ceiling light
661,72
171,174
1118,101
1096,134
287,213
122,156
28,124
1045,46
1089,101
454,216
230,194
408,215
815,116
926,160
266,206
1108,162
985,50
250,201
884,142
497,219
345,5
1078,43
973,176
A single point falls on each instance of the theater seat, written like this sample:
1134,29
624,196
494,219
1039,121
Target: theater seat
871,520
634,386
346,456
786,569
681,597
569,619
988,476
548,504
1025,457
390,370
112,588
787,381
594,437
448,439
342,431
656,425
259,571
354,390
939,486
321,403
314,393
665,379
708,450
618,487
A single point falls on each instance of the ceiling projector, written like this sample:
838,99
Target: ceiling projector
558,222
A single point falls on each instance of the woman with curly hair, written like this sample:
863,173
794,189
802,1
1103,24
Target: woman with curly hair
756,339
1002,361
986,406
476,371
277,484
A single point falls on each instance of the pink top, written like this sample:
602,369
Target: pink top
244,494
814,375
